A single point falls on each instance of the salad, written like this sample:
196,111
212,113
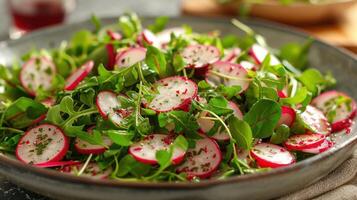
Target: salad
130,103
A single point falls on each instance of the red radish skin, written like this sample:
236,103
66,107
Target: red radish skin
258,53
316,120
231,55
39,119
150,38
42,144
287,116
109,107
326,145
344,117
203,160
304,141
174,93
271,155
111,56
206,124
238,73
49,102
77,76
130,57
37,73
114,35
145,150
91,171
84,147
58,164
282,94
200,56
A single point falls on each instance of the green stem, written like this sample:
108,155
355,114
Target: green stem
78,115
11,129
229,77
85,165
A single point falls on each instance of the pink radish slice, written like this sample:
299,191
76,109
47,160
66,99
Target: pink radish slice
165,36
39,119
77,76
58,164
206,124
114,35
344,113
42,144
37,73
49,102
315,120
287,116
150,38
145,150
84,147
326,145
231,55
304,141
282,94
247,65
203,160
258,53
111,56
130,57
109,107
236,74
271,155
91,171
174,92
198,56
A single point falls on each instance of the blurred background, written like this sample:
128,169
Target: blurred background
334,21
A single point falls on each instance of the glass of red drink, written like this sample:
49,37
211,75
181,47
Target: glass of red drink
29,15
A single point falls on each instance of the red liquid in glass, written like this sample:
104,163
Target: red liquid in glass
45,13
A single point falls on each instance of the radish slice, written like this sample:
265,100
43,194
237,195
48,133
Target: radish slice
287,116
231,74
109,107
39,119
174,92
165,36
231,55
203,160
326,145
258,53
247,65
282,94
145,150
114,35
304,141
271,155
49,102
58,164
42,144
111,56
130,57
206,124
345,112
84,147
37,73
198,56
91,171
77,76
315,120
150,38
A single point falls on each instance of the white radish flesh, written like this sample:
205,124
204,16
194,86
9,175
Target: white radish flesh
42,144
174,92
326,145
315,120
77,76
287,116
271,155
304,141
145,150
92,170
259,53
37,73
165,36
130,57
198,56
84,147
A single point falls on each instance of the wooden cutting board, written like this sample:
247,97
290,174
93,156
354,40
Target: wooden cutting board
342,32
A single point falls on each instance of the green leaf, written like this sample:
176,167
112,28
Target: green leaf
178,62
229,91
159,24
299,97
129,165
184,121
263,117
163,157
66,105
219,105
241,132
281,134
96,22
296,54
314,81
181,142
54,115
121,137
87,97
156,61
229,41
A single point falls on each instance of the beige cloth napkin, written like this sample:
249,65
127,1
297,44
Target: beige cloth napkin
339,184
